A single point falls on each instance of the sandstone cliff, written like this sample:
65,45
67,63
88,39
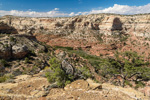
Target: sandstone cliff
78,26
86,32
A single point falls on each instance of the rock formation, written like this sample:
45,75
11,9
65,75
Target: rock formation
67,67
86,31
101,35
18,46
77,27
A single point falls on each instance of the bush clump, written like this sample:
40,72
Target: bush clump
129,66
57,74
6,77
3,62
27,60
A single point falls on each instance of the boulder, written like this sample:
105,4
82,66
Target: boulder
67,67
79,84
6,29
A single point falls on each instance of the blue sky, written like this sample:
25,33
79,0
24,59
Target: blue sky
54,8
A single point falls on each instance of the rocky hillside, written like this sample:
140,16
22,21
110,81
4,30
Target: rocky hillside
100,34
78,27
74,53
18,46
26,87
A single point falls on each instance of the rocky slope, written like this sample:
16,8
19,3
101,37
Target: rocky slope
100,34
18,46
25,87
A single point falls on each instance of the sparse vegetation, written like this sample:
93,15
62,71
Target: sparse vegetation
123,38
61,78
128,65
6,77
27,60
57,74
12,39
85,72
3,62
64,48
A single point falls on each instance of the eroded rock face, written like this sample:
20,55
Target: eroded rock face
77,27
18,46
117,24
7,29
88,31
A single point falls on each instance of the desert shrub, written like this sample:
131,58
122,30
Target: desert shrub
139,84
34,69
64,48
84,55
3,62
123,38
91,58
57,74
41,51
32,53
27,60
99,37
126,65
128,83
12,39
3,79
85,72
6,77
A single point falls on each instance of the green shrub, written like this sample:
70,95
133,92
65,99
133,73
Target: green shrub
123,38
12,39
32,53
3,62
139,84
64,48
126,65
26,60
128,83
41,51
58,75
3,79
85,72
6,77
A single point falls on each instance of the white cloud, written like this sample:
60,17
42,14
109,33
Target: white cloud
118,9
52,13
123,9
56,9
72,14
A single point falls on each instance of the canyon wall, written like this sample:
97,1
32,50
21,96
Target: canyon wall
85,31
79,26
